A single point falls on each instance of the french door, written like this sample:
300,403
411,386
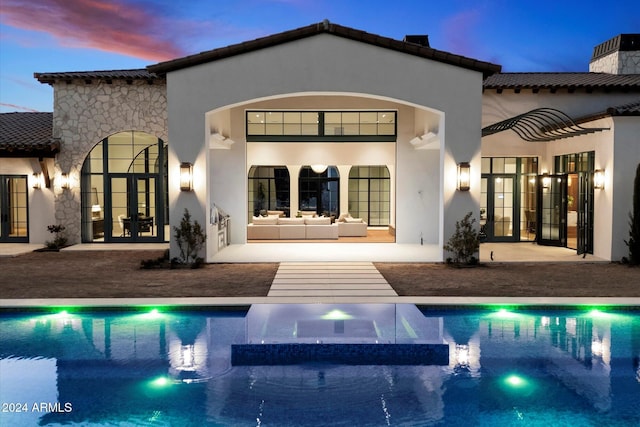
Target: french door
498,213
552,210
14,215
135,212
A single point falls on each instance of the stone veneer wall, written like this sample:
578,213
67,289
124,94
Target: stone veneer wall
86,113
625,62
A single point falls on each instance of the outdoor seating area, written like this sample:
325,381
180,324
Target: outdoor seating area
275,226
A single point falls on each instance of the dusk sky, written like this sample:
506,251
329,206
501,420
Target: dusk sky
89,35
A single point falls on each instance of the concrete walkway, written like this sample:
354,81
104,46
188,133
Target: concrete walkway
329,279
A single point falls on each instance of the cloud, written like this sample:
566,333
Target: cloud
17,107
118,26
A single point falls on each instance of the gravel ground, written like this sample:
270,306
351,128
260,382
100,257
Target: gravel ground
117,274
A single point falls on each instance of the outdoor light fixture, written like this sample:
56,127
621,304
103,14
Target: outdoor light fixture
65,181
546,181
464,176
37,181
598,179
319,168
186,176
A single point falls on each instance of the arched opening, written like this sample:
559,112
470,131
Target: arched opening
124,189
370,194
269,189
319,191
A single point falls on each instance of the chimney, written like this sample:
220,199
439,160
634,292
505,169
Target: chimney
421,40
620,55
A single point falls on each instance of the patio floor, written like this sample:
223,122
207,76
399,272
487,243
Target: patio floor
90,275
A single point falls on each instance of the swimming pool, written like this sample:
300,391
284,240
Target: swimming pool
169,367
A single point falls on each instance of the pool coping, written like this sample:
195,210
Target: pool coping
197,302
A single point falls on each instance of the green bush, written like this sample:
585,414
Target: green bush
465,242
59,239
190,238
634,223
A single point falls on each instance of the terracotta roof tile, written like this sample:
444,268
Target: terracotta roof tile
27,135
137,74
486,68
628,82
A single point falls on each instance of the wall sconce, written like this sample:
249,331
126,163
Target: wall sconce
319,168
598,179
37,181
64,181
546,181
464,176
186,176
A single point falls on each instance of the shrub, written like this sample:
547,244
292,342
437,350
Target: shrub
634,223
59,239
190,238
464,243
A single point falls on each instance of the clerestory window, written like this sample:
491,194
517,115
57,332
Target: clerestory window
329,126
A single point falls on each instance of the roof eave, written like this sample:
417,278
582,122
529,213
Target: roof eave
325,27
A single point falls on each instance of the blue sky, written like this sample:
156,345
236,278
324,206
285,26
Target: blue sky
85,35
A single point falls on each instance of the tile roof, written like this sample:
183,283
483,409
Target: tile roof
27,135
631,109
627,82
486,68
137,74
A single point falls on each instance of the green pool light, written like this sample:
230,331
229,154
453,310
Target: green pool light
154,313
160,382
515,381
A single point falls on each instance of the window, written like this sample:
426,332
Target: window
124,184
369,194
268,190
319,192
334,126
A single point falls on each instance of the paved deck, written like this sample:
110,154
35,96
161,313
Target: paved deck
333,279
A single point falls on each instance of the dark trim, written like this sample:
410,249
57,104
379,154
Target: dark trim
322,138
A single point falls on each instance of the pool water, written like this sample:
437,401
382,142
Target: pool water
174,368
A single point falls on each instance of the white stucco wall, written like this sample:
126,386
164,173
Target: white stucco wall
616,152
620,178
40,201
326,64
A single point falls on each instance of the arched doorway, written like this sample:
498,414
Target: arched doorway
319,190
124,189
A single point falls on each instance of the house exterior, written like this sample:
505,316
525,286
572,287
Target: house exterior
332,120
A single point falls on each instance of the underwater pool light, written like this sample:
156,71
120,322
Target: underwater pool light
515,381
154,313
337,315
160,382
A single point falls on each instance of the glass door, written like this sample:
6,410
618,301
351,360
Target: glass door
134,213
497,208
14,217
552,210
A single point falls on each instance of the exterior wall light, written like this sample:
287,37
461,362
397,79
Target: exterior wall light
37,181
464,176
186,176
598,179
65,182
546,181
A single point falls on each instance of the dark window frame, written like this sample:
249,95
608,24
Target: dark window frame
320,135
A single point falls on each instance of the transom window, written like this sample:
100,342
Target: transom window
332,126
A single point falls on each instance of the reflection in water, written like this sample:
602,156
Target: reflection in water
504,367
